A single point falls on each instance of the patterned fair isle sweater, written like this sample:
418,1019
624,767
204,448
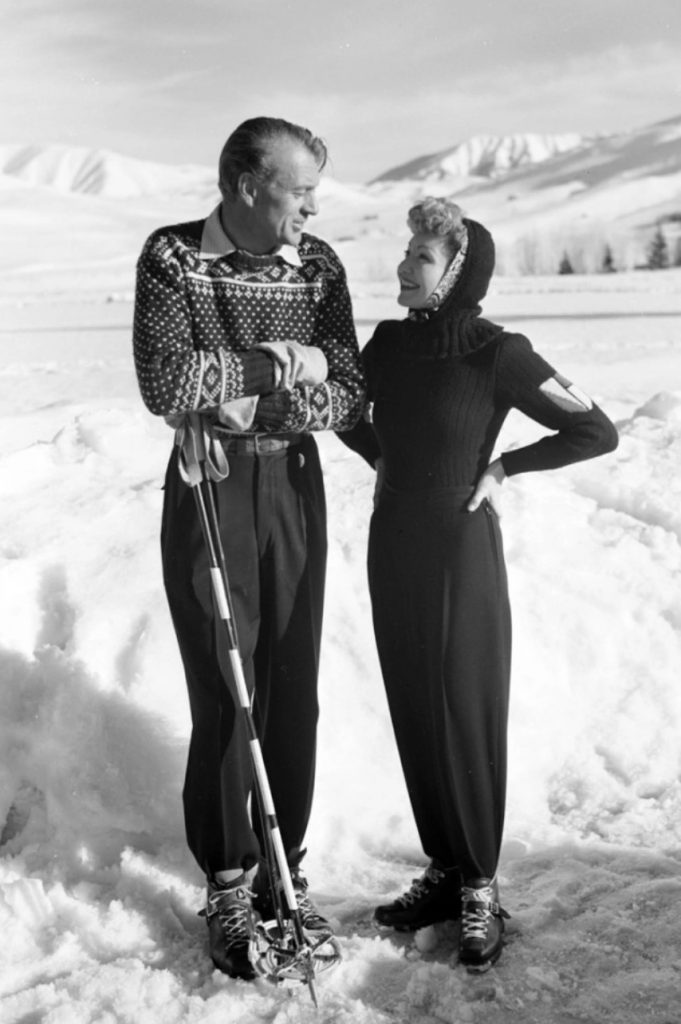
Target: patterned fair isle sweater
199,315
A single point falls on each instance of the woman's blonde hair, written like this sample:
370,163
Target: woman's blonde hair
439,217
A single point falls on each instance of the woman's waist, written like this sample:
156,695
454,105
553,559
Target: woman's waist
431,491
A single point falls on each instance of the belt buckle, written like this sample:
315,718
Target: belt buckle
260,444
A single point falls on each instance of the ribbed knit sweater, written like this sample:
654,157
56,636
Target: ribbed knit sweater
442,387
198,318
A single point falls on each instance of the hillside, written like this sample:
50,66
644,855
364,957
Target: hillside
485,156
100,172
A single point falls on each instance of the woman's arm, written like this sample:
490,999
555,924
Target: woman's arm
581,430
362,439
527,382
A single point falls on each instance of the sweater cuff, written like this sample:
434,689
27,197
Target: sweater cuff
512,462
362,439
258,369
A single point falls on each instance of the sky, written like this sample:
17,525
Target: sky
382,81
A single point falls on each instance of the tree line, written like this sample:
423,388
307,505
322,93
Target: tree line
659,256
596,249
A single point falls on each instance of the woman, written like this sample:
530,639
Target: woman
442,382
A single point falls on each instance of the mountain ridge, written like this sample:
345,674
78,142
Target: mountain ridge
486,156
615,189
99,172
482,161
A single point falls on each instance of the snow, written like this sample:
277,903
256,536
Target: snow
98,893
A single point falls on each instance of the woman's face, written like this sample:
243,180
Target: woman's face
419,273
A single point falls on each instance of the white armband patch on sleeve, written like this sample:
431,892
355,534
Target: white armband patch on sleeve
565,394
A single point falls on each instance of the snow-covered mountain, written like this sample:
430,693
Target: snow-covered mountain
630,181
540,195
101,172
486,156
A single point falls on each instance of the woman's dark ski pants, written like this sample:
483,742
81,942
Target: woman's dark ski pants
273,527
443,630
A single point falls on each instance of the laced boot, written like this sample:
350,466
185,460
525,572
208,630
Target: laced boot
482,924
435,896
310,917
229,916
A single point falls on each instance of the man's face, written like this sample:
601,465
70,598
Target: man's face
283,204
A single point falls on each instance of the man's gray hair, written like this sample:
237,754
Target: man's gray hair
248,148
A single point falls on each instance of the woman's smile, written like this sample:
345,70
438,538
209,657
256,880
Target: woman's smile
421,270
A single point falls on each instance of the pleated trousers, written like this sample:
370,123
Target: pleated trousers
272,518
443,629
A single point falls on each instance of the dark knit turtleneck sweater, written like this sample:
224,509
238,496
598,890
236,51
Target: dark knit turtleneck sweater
441,388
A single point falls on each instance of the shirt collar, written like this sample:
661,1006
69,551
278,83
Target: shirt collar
215,242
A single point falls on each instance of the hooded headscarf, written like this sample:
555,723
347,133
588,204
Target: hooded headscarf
454,327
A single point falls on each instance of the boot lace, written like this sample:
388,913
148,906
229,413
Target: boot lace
421,886
478,906
309,915
233,909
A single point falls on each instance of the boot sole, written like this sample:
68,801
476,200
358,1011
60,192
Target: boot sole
242,974
484,965
409,928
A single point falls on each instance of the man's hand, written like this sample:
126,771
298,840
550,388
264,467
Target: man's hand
489,487
296,364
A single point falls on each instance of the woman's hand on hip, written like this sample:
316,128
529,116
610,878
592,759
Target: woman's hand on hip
489,488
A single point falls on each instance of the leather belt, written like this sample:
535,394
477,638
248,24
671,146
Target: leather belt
256,444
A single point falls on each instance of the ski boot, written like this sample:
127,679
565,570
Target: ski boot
435,896
310,917
482,925
229,916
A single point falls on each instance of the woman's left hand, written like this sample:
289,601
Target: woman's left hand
489,488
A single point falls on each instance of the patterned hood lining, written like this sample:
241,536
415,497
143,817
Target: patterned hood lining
465,281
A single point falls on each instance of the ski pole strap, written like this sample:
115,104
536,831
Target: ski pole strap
200,452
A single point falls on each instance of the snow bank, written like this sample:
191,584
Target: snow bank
98,895
97,892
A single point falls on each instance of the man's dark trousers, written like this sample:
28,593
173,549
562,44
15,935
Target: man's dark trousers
272,516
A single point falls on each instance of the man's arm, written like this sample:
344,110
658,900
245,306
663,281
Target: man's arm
337,403
174,375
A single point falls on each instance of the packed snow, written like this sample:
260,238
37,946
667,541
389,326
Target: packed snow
98,893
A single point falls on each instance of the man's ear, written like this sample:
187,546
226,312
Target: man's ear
247,188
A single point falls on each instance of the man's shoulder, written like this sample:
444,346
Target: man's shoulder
184,236
315,249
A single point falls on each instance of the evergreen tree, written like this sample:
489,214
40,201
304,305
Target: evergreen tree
677,253
565,266
658,251
608,261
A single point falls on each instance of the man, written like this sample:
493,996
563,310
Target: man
247,319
